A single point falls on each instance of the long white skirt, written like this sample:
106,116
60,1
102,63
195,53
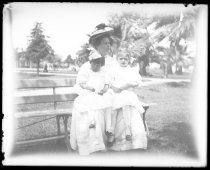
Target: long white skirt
87,140
138,133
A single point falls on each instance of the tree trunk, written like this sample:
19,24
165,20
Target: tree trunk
179,70
164,67
30,64
142,68
37,69
169,69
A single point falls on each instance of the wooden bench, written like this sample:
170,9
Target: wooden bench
54,98
146,107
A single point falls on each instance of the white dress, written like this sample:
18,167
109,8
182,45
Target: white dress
121,76
82,138
128,98
88,100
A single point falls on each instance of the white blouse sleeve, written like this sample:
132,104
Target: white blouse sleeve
135,77
83,74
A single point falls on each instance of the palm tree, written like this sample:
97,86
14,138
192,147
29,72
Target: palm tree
133,29
173,30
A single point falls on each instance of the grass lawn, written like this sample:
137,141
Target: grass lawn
25,75
169,122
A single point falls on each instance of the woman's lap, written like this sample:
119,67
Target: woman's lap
84,139
139,138
87,140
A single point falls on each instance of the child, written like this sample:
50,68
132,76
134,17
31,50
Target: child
92,83
123,80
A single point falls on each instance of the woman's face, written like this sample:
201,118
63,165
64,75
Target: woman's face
123,60
104,46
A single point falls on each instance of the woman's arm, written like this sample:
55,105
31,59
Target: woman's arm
129,85
85,86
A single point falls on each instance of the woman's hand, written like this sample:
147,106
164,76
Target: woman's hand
91,89
101,92
104,90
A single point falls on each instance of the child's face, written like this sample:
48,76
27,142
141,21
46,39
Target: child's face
123,60
95,66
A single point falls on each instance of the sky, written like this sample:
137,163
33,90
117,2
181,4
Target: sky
67,24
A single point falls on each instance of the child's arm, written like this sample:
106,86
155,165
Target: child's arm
85,86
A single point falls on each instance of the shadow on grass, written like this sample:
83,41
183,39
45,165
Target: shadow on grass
57,146
178,84
154,90
176,137
45,75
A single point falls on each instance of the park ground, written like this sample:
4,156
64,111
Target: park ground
170,121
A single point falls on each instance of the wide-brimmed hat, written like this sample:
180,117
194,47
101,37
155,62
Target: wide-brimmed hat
100,30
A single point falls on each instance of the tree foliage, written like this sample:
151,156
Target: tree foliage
83,54
133,29
38,47
69,59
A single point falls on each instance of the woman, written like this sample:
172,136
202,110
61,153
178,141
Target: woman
80,137
88,125
139,138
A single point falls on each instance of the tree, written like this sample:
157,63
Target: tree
175,29
83,54
38,47
69,60
133,28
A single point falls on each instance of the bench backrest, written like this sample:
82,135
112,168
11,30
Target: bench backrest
39,83
31,84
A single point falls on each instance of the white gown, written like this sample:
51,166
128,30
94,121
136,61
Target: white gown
82,138
121,76
86,140
88,100
128,98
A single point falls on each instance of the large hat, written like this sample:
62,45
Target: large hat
100,30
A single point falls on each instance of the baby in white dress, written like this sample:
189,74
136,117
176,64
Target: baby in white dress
92,83
123,80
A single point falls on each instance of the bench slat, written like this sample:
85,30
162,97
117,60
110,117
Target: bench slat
148,104
43,113
40,83
45,98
